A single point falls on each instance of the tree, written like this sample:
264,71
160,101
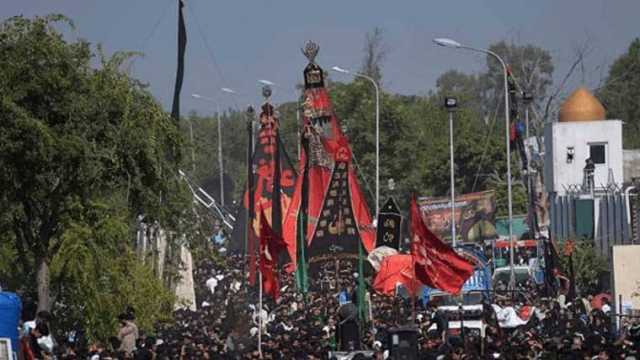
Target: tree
374,53
531,66
621,94
588,266
97,274
74,133
466,88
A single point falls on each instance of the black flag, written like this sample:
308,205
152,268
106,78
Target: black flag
182,45
389,222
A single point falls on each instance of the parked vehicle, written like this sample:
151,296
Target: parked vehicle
465,309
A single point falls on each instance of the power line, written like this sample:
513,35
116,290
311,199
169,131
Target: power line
210,53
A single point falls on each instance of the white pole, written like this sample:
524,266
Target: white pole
375,86
377,148
298,125
531,207
508,143
260,313
193,154
453,184
220,162
457,45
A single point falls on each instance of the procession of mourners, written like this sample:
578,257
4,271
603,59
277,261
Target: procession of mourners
117,242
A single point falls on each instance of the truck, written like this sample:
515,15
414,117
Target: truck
466,308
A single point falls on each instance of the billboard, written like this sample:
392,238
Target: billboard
474,215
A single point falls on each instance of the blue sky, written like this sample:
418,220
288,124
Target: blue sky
261,39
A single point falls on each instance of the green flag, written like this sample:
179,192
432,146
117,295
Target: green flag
361,287
302,281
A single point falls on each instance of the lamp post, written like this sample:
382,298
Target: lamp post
375,85
451,104
220,162
454,44
527,99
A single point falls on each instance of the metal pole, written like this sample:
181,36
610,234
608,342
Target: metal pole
193,154
375,85
220,162
527,149
377,147
531,196
453,186
298,125
506,120
250,214
526,119
260,313
509,194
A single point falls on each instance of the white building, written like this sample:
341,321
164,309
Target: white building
586,202
582,132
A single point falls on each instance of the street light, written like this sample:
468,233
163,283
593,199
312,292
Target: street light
527,99
456,45
266,82
375,85
451,104
220,162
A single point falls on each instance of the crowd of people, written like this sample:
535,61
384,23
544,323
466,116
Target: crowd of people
226,324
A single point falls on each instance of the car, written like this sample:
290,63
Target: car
523,274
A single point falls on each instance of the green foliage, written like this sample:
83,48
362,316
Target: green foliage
96,264
587,264
621,94
414,142
531,66
84,150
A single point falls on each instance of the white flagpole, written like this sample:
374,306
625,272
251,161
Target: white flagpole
260,315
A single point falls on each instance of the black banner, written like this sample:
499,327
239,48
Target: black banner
388,232
182,45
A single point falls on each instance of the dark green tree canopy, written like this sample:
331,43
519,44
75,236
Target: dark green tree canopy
621,94
78,140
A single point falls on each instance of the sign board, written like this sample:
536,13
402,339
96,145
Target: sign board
474,215
389,225
626,283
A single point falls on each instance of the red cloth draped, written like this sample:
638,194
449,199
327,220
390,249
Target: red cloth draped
437,265
327,145
270,247
394,270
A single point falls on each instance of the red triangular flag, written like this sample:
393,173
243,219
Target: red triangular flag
325,168
437,265
270,247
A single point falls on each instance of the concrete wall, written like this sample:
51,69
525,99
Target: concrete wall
559,137
626,274
631,164
185,291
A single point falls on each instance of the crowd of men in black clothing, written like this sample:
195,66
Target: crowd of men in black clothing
308,327
226,325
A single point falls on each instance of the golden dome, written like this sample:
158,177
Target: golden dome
581,106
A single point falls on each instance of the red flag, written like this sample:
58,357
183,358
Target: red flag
394,270
270,183
437,265
271,245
